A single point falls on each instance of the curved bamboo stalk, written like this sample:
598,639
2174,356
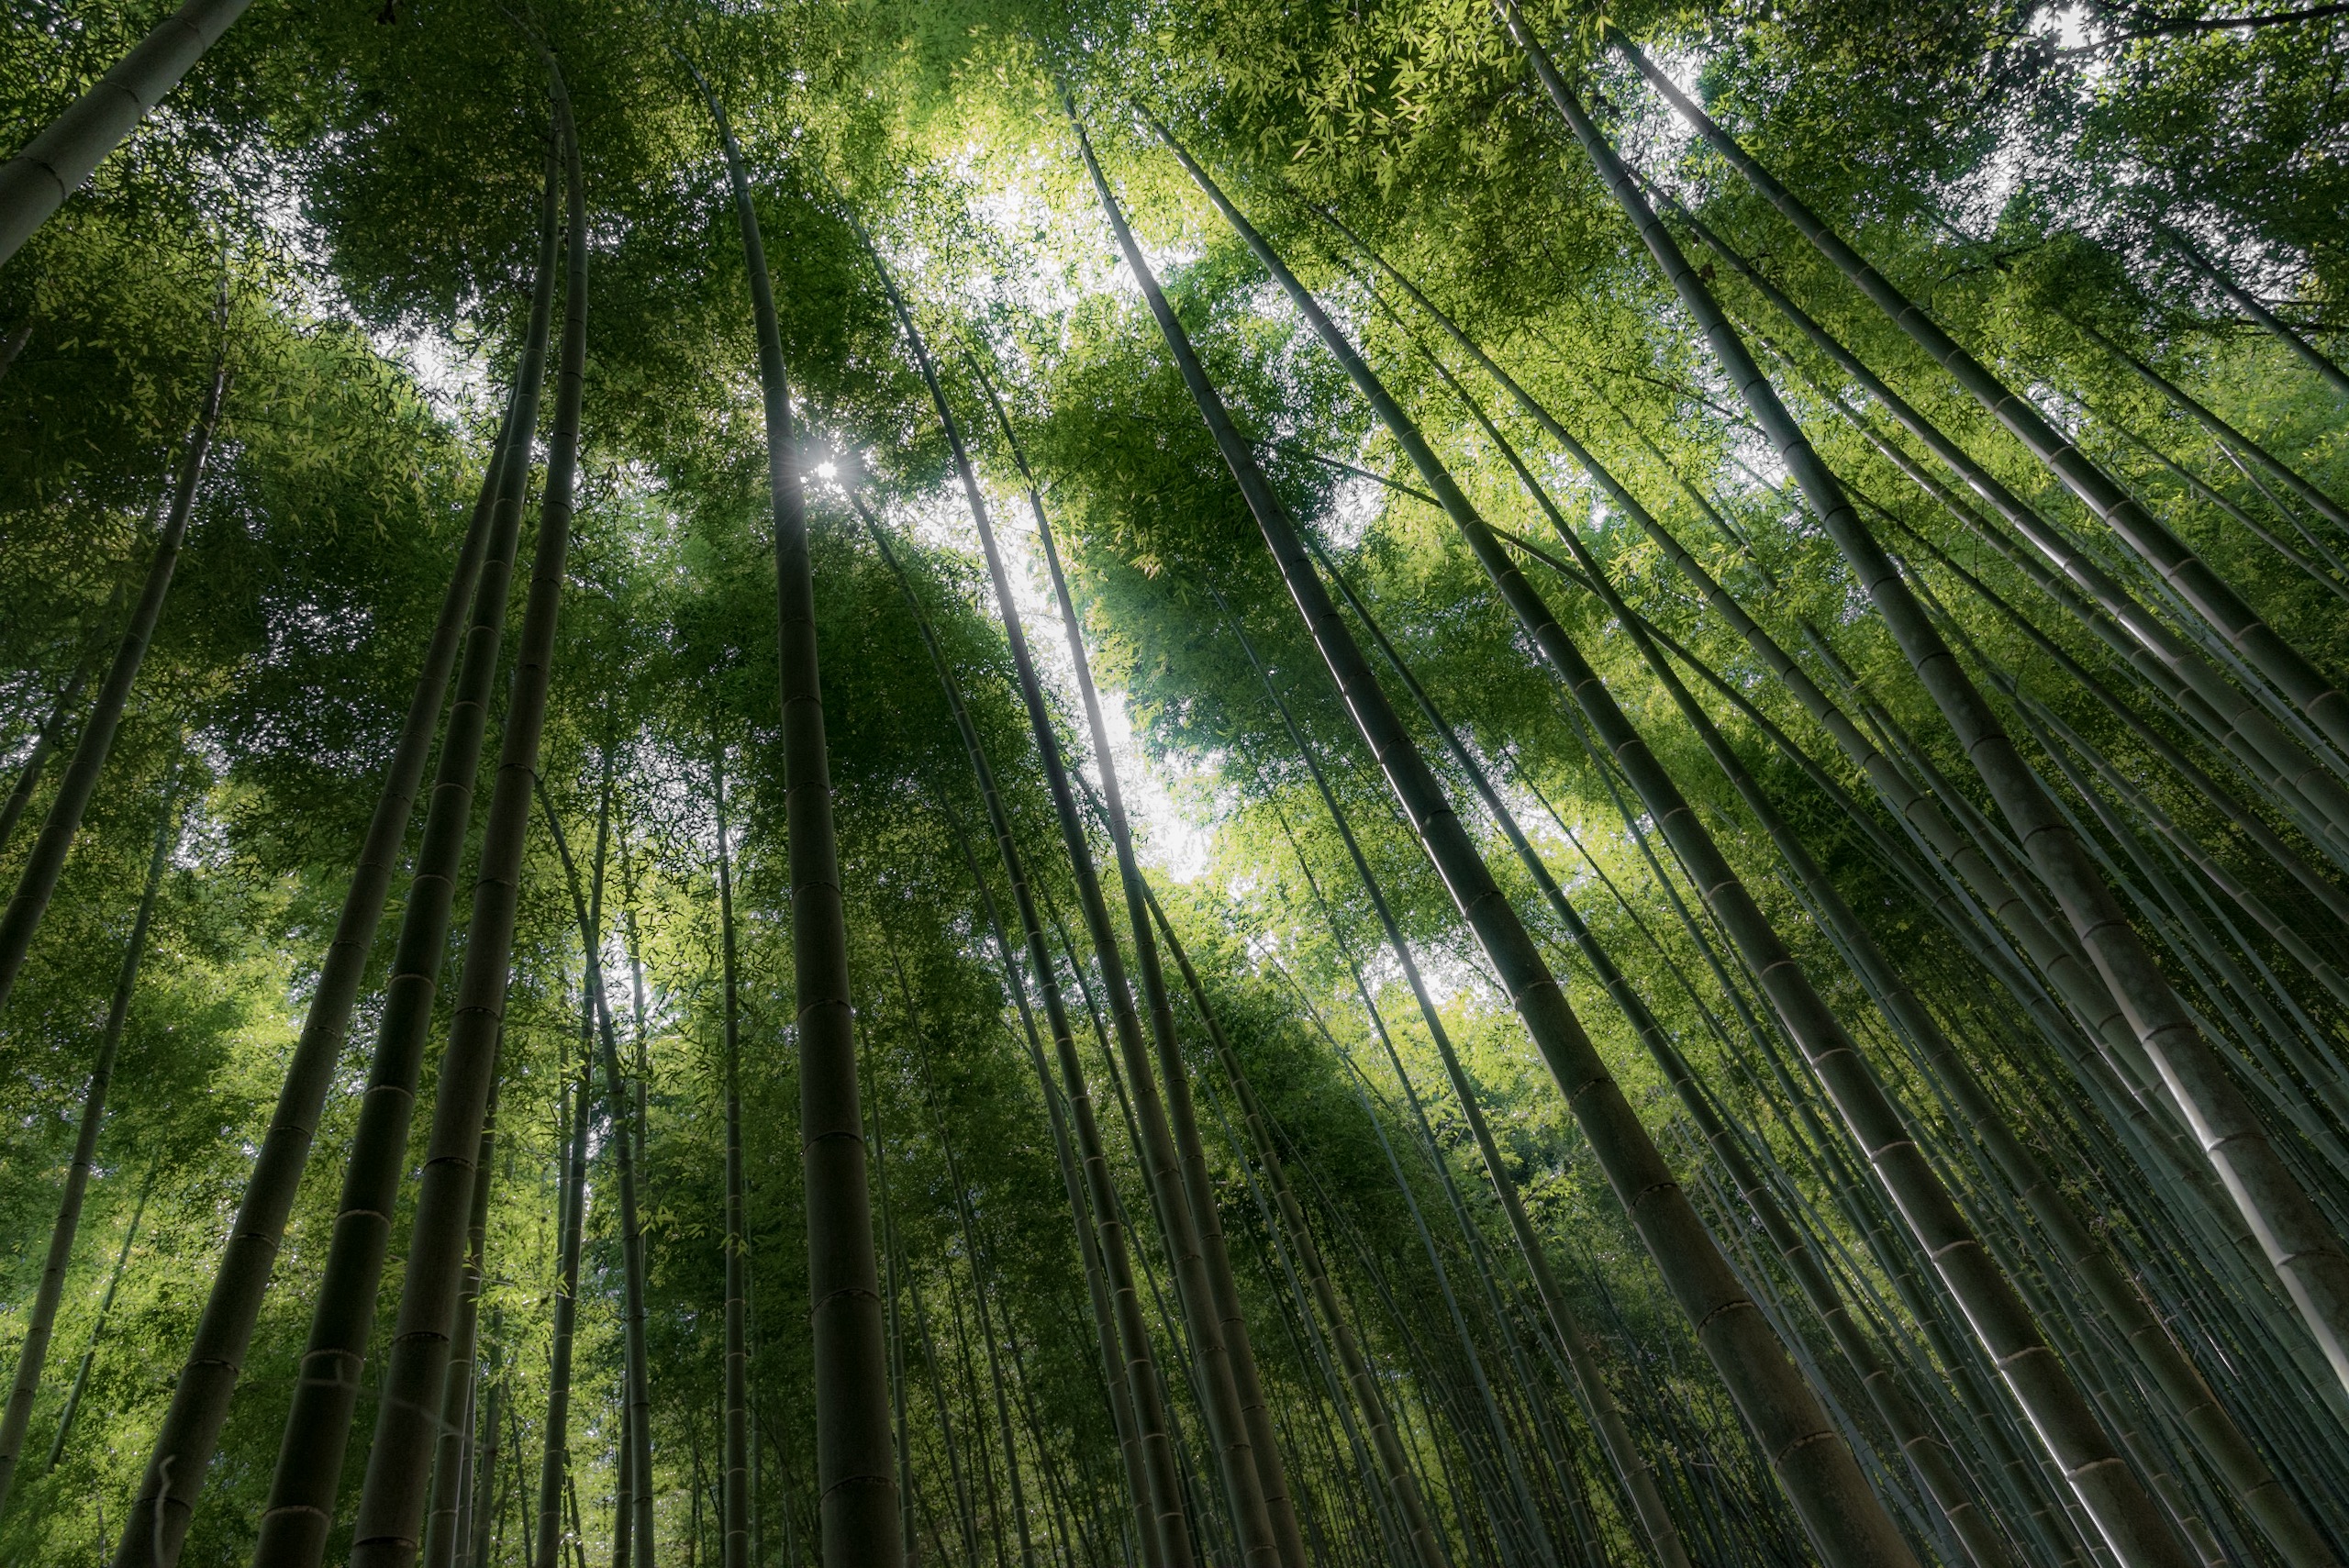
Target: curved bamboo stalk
1819,1472
392,1498
32,1352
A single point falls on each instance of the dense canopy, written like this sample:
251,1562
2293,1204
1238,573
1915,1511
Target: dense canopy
1428,783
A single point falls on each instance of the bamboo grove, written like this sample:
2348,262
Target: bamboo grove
1439,783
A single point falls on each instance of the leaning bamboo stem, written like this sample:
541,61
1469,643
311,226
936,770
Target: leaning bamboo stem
32,1354
38,880
1818,1470
391,1499
68,151
2185,574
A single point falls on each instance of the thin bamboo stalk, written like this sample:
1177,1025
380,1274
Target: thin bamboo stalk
32,1352
99,1326
45,743
2300,1243
53,164
2252,305
736,1464
1163,1162
554,1457
38,880
1426,1546
1163,1529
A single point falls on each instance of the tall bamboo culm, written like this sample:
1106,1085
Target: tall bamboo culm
68,151
855,1459
391,1499
1817,1469
298,1511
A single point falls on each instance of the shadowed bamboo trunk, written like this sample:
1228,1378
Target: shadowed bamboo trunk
1162,1158
2300,1243
182,1448
737,1350
1164,1530
52,166
391,1499
38,880
443,1534
300,1506
61,712
483,1509
2228,436
1812,1462
2252,305
855,1459
33,1353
